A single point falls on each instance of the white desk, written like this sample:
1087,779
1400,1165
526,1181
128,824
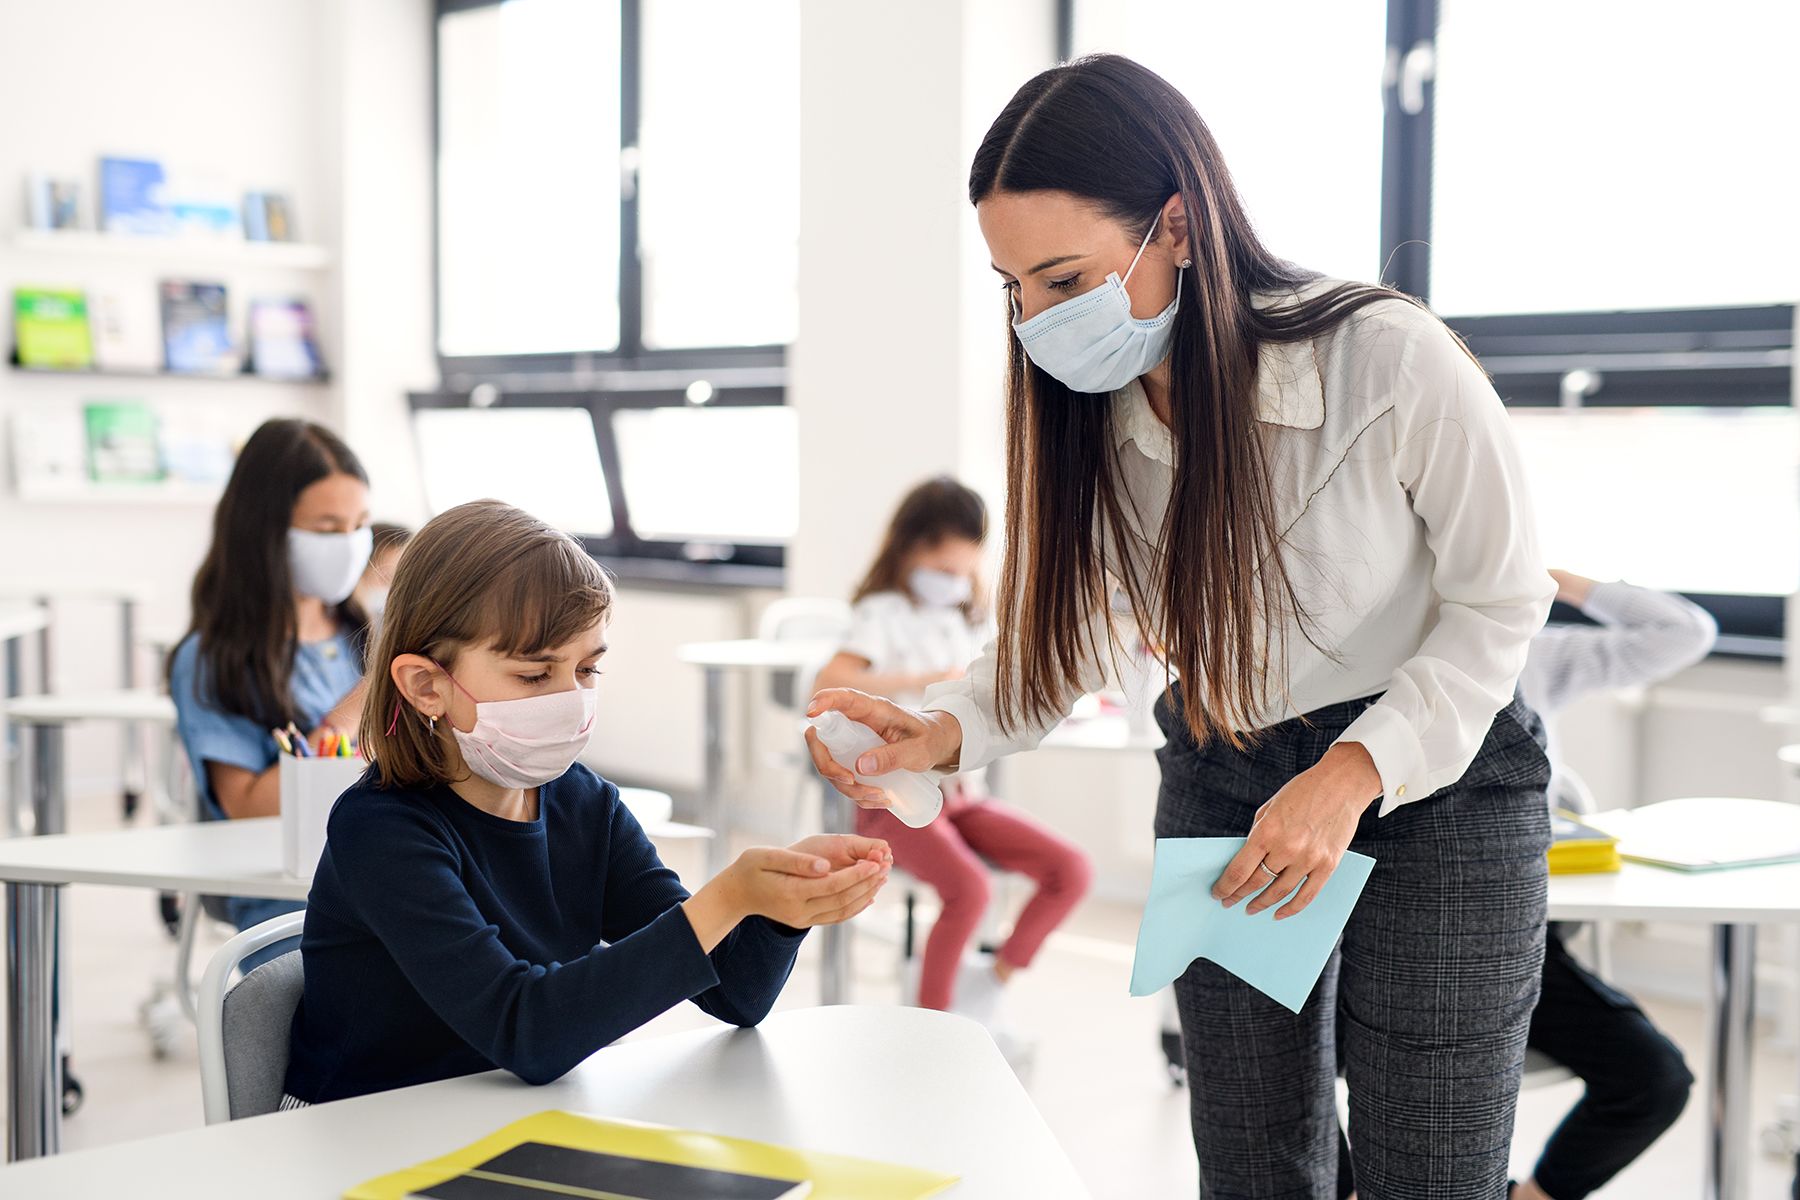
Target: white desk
227,858
903,1085
17,622
1734,903
130,597
49,715
1111,733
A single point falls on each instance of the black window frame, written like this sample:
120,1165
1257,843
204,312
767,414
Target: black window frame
659,562
576,369
1721,357
604,381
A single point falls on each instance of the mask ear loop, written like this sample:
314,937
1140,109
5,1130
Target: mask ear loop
1142,246
431,722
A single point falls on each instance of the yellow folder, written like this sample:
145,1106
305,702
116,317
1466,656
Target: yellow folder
833,1176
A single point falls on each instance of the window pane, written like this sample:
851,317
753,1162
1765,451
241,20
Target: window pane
1694,499
543,460
719,174
710,474
1596,156
528,178
1292,92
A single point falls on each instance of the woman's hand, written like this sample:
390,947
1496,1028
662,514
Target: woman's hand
1299,837
916,741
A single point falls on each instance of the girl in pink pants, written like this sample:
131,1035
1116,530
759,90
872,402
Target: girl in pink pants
920,618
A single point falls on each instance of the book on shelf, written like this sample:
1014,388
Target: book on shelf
122,442
268,217
125,329
50,329
282,344
134,197
52,203
202,205
49,450
196,330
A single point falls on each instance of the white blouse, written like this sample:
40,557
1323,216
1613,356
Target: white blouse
1409,540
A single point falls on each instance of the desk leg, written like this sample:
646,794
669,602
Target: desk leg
1728,1074
713,812
15,749
33,1066
136,764
47,808
834,940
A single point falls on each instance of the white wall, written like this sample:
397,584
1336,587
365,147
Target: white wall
328,102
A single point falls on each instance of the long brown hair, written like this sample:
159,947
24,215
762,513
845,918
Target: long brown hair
937,509
482,573
1217,596
243,596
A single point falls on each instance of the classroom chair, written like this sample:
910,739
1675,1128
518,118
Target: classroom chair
244,1029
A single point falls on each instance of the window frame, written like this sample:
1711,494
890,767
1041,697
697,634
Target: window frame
575,370
660,562
1727,357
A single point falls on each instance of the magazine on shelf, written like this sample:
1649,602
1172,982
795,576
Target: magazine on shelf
196,330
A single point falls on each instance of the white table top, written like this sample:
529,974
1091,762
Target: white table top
903,1085
754,652
67,708
27,588
1739,895
224,858
17,620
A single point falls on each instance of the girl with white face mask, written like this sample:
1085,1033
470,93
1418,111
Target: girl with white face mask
276,635
484,901
920,619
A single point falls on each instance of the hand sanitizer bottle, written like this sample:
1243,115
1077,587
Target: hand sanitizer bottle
911,796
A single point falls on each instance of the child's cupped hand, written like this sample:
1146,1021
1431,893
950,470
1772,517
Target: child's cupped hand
820,880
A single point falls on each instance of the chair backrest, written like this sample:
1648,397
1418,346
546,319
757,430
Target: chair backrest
1568,790
244,1029
801,619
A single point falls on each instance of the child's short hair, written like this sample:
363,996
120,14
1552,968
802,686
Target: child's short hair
480,574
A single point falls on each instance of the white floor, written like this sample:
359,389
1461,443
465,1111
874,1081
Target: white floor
1098,1077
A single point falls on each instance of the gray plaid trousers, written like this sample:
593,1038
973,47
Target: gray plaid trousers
1431,987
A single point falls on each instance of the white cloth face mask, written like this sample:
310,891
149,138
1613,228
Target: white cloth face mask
328,565
529,742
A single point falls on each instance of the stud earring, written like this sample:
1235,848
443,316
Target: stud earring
1186,263
431,725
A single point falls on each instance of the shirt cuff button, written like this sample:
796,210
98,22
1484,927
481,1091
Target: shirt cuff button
1400,792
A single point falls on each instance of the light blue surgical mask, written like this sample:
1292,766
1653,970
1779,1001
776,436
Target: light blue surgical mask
1092,343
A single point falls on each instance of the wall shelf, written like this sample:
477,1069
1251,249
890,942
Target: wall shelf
295,256
178,376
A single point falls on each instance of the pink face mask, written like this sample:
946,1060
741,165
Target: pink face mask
526,743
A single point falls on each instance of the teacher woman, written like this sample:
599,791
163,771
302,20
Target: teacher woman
1306,493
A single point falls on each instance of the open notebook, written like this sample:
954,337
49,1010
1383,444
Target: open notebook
1704,833
559,1155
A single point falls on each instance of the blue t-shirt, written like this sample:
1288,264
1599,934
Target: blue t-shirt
442,940
324,673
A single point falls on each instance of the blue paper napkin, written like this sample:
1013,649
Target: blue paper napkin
1182,922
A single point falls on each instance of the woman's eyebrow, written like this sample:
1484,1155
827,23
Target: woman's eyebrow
1046,264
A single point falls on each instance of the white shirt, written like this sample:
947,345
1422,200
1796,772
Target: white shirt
897,636
1409,541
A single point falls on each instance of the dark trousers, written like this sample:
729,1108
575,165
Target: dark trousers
1430,992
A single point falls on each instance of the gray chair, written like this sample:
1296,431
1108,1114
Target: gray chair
244,1028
